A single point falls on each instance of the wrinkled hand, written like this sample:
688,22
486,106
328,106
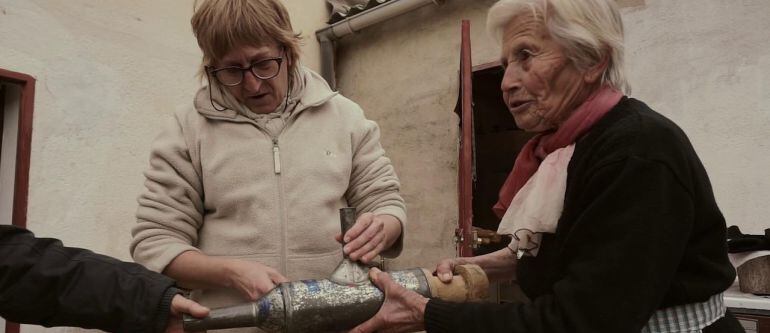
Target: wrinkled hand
253,279
402,311
370,235
446,268
181,306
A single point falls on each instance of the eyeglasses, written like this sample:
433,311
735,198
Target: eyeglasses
232,76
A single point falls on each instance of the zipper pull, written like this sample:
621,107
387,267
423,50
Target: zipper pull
276,157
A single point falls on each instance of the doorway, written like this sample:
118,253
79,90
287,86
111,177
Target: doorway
497,142
17,96
9,130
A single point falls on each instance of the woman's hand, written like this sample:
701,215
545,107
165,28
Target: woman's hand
370,235
446,267
498,266
252,279
181,306
402,311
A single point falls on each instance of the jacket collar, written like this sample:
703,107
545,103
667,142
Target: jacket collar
312,90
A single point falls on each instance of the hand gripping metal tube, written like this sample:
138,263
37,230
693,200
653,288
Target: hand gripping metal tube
339,303
349,272
309,306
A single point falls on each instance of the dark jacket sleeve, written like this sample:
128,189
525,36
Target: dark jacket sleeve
631,233
45,283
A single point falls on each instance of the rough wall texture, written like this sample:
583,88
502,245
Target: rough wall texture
404,74
307,16
705,64
108,74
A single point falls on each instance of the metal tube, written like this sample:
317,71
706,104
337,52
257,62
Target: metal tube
349,272
309,306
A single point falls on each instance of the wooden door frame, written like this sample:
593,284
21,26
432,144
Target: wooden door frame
23,150
464,232
2,115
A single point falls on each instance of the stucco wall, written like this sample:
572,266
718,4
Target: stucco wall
108,73
705,64
404,74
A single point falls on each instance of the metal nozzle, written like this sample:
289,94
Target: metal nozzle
349,272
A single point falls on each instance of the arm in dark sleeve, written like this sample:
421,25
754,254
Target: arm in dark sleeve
45,283
631,236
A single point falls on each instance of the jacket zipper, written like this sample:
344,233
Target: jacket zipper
276,157
283,220
277,170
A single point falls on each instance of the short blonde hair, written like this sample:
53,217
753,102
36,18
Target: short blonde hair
588,30
221,25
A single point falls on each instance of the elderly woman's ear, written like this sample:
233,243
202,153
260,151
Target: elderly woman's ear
596,72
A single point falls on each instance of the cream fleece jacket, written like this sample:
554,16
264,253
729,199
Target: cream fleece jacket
220,184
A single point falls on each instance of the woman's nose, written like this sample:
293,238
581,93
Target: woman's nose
511,79
250,82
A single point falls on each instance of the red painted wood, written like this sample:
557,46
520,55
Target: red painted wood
2,115
23,150
465,168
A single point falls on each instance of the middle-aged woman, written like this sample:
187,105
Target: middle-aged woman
245,185
615,225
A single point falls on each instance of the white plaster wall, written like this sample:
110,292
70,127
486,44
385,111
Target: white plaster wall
703,63
108,74
307,16
706,65
404,74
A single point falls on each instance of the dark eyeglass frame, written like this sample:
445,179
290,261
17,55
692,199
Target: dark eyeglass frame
214,71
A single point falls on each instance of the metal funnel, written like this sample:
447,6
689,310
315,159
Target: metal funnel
348,272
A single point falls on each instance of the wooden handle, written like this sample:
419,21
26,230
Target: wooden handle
469,283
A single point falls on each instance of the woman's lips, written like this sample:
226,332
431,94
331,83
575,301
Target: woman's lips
258,96
519,107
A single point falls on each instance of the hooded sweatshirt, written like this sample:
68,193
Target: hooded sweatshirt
226,184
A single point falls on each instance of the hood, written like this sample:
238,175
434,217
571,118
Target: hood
309,90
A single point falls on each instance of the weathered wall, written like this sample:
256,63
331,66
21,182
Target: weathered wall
705,64
307,16
107,73
404,74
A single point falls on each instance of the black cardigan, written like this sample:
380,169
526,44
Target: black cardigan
640,231
45,283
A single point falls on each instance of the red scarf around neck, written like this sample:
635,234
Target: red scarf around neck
530,156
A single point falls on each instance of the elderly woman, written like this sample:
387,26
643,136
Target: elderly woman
614,222
245,185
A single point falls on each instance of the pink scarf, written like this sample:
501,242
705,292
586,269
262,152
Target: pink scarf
533,153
